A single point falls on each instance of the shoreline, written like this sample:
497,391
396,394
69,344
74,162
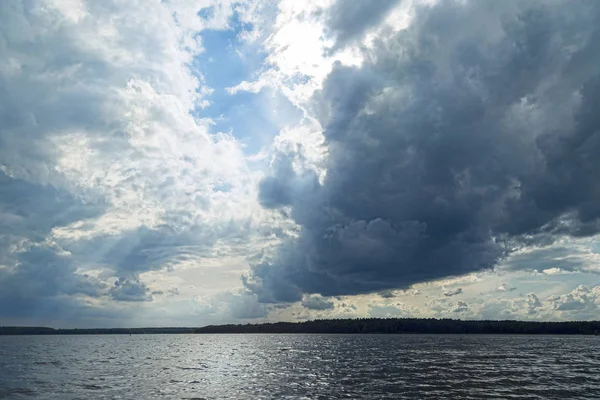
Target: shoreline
343,326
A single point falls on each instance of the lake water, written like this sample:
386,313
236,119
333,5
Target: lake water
299,367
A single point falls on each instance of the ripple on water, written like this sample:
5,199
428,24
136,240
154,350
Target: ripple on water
299,366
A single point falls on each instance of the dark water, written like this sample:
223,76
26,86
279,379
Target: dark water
299,367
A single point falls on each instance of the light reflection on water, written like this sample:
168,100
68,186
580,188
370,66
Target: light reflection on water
299,367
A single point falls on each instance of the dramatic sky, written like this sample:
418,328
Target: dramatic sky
191,162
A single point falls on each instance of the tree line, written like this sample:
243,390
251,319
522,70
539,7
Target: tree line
358,325
413,325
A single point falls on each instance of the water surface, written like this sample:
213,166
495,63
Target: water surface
299,367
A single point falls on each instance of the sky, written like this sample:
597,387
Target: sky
194,162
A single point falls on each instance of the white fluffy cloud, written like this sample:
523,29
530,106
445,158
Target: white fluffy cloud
581,299
102,161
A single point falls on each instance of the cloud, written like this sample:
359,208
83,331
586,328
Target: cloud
567,255
392,311
452,292
533,302
387,294
172,291
130,290
570,303
579,304
556,271
465,137
505,288
42,271
244,305
41,284
461,306
579,299
445,308
104,165
348,21
33,267
317,302
415,145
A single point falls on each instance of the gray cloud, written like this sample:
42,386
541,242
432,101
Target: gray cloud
387,294
31,210
130,290
558,258
227,307
172,291
317,302
348,20
461,306
464,137
579,304
245,306
36,269
533,303
144,249
44,271
444,308
43,285
580,299
101,165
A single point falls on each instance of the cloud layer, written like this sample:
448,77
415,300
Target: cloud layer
105,171
333,155
460,139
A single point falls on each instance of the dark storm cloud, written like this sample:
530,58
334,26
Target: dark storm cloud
282,188
470,134
348,20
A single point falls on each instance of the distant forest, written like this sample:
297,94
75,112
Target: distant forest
413,325
361,325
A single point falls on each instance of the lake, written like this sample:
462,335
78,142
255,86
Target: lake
299,367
